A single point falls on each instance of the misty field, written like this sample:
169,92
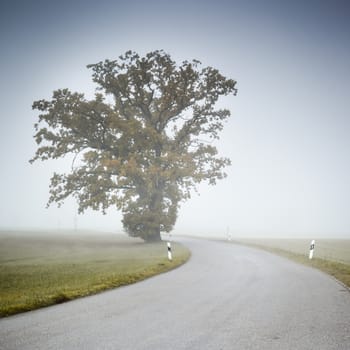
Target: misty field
329,249
38,269
330,255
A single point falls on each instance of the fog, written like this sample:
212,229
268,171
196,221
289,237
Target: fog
288,137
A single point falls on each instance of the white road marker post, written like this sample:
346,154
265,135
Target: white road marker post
312,247
170,257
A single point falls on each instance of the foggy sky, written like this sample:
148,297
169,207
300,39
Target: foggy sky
288,136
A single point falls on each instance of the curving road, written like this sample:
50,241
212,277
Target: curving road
226,297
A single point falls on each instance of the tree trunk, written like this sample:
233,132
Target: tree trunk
153,238
155,207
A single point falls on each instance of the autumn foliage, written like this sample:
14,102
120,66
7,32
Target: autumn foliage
141,144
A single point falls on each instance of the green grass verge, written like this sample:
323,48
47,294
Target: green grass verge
38,270
338,270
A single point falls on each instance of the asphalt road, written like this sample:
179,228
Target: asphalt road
226,297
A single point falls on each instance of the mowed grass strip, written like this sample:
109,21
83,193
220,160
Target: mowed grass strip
38,270
330,256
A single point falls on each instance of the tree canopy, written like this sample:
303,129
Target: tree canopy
141,144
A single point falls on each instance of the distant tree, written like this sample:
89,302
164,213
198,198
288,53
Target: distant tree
141,143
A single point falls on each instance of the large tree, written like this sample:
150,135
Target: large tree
142,143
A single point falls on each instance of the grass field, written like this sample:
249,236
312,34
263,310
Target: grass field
41,269
330,255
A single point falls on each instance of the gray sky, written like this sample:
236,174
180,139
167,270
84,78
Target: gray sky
288,136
